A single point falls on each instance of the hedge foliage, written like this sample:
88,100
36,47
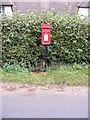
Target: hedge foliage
21,39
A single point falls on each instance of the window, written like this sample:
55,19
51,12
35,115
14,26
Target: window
7,10
84,12
2,9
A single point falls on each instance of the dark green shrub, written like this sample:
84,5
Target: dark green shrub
21,39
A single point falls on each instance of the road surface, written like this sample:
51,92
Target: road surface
45,104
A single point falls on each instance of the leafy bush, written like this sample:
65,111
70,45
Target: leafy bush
21,39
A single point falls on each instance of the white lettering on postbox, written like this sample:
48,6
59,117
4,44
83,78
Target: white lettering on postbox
46,37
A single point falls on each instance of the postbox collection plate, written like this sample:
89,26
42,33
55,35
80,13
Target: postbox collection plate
45,37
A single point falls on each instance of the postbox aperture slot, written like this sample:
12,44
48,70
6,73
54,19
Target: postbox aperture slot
46,28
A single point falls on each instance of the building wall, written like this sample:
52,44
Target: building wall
48,5
24,6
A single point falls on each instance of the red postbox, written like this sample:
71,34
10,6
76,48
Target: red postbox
46,28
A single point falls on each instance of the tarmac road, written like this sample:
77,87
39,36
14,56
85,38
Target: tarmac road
44,105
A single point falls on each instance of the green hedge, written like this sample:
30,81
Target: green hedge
21,39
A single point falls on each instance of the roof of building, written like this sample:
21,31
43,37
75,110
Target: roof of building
84,5
6,2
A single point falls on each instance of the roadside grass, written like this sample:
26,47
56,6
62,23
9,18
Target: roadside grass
60,75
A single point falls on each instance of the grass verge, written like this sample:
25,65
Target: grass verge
65,75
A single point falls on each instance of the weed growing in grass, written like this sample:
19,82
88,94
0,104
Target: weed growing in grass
14,68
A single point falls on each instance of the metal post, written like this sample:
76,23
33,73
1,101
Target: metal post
45,54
